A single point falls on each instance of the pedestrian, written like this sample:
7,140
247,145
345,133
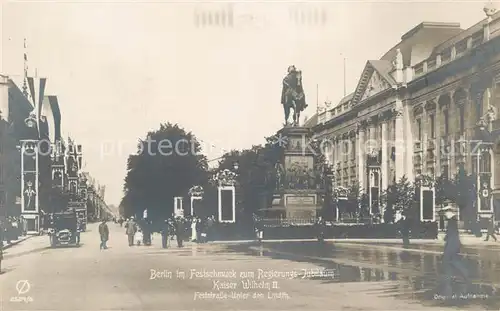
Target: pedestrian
259,232
451,255
165,230
199,229
491,231
210,224
404,228
78,230
179,231
194,236
138,237
104,233
131,229
148,233
320,229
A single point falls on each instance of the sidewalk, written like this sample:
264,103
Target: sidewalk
12,243
465,238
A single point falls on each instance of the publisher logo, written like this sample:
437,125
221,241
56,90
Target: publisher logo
22,288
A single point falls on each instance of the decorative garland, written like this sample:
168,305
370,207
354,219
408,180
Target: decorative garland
224,178
196,191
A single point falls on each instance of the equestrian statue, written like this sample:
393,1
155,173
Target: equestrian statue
292,95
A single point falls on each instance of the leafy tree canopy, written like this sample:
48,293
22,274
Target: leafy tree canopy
167,163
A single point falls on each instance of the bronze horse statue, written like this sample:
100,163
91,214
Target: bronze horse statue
292,95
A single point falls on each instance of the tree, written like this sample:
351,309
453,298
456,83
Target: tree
255,178
168,162
399,197
463,193
444,190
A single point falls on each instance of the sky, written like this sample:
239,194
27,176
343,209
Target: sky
120,68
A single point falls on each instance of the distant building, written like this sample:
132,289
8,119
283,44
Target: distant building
416,110
14,109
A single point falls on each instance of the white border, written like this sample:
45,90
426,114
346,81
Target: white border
219,190
193,198
178,210
23,151
37,223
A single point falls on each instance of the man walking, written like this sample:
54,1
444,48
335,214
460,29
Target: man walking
179,231
78,230
491,231
404,228
131,229
165,241
104,233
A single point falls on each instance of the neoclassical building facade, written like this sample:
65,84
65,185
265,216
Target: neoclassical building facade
419,108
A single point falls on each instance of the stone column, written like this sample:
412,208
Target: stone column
340,160
424,121
399,143
384,166
454,115
438,129
361,156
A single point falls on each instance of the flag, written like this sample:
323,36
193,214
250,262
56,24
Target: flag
25,57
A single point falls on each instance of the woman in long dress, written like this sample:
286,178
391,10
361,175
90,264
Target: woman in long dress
193,230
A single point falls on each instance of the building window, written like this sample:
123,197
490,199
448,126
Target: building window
393,130
462,118
446,122
353,149
445,171
419,129
433,126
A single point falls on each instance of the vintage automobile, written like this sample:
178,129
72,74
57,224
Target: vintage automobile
63,229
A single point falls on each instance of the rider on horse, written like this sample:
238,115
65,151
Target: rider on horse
292,95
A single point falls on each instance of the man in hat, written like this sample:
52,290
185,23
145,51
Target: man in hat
491,230
165,232
104,234
131,229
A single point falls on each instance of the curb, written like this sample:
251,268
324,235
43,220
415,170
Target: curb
7,246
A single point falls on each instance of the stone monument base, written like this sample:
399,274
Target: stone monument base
301,212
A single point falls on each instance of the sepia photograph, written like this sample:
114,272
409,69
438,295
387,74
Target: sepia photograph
249,155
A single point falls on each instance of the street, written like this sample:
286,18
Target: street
284,276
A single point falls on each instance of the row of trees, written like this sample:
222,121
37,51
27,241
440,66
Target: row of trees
153,179
400,197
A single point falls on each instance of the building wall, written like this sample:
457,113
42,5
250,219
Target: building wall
422,124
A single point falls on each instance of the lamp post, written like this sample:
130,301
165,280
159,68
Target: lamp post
226,181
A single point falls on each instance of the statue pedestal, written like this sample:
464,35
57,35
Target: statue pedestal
298,197
301,204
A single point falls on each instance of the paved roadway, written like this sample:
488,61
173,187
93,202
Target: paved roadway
363,277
